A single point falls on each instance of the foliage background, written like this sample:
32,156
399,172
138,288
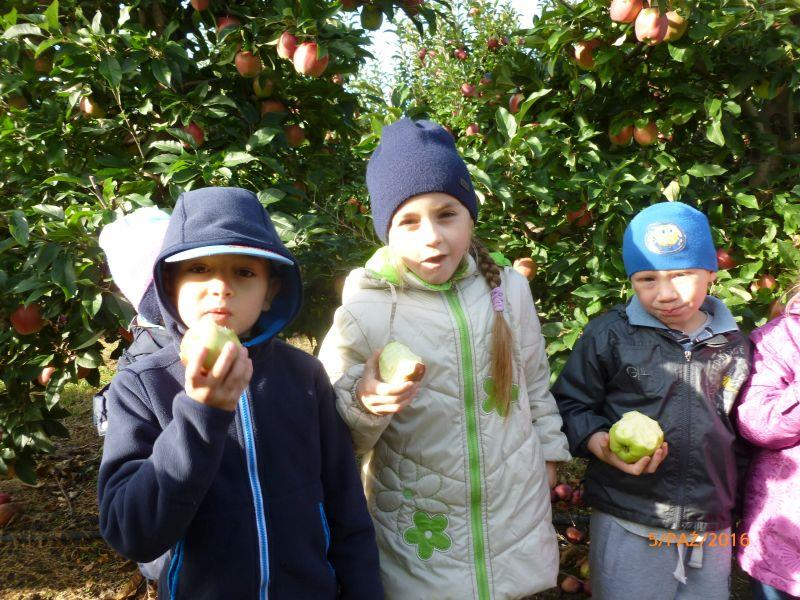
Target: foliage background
552,186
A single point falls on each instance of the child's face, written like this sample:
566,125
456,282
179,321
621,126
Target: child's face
229,289
674,297
431,233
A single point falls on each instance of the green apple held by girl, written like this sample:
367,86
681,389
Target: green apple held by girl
455,454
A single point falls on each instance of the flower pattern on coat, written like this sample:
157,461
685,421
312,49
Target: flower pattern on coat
409,485
428,534
491,404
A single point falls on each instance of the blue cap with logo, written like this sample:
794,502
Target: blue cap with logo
668,236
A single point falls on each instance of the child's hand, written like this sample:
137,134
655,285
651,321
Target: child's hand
598,445
222,386
382,398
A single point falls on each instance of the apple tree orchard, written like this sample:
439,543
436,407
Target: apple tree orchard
572,126
107,106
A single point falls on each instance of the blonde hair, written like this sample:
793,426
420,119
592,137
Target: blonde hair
502,338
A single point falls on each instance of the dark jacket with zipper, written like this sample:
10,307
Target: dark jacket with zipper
261,502
616,367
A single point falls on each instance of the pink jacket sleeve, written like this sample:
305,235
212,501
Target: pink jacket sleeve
769,409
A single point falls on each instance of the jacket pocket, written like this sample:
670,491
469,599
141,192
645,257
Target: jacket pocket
300,540
641,371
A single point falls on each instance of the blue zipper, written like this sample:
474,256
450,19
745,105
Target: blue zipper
255,489
174,569
327,531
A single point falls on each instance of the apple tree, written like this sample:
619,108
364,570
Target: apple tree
593,118
109,106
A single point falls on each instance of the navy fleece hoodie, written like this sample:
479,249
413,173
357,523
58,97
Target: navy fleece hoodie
261,502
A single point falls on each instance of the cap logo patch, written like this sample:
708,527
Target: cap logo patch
664,238
463,183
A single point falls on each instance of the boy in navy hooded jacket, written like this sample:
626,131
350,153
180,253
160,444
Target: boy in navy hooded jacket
244,472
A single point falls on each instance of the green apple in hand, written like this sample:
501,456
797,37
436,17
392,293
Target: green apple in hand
397,363
635,436
209,335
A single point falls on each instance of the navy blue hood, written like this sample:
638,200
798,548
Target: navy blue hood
225,215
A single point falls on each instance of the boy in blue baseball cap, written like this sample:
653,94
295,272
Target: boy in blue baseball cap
675,354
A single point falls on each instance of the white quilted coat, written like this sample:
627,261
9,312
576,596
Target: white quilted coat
458,494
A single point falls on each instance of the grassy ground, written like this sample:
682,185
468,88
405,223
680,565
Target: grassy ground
79,566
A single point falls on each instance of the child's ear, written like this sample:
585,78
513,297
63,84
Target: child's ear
712,276
272,290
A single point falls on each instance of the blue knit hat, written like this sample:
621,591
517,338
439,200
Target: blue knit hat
415,157
668,236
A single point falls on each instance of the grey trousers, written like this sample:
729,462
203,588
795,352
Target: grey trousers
626,566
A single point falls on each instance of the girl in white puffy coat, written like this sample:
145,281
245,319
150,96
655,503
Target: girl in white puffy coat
458,465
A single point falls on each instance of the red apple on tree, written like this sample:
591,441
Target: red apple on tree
349,5
474,11
776,309
306,61
724,259
422,53
371,17
196,132
226,21
765,282
287,44
27,319
460,53
646,135
526,267
248,64
43,64
472,129
294,135
412,6
46,375
18,102
200,4
91,108
272,106
651,26
676,26
584,53
338,79
581,217
514,102
262,87
468,90
623,138
624,11
492,43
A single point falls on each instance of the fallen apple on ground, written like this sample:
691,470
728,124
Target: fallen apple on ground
397,363
209,335
635,436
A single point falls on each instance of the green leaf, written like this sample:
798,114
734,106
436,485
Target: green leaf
51,16
91,359
18,227
161,72
237,158
706,170
714,133
261,137
591,291
111,71
50,210
672,191
21,30
747,200
506,123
